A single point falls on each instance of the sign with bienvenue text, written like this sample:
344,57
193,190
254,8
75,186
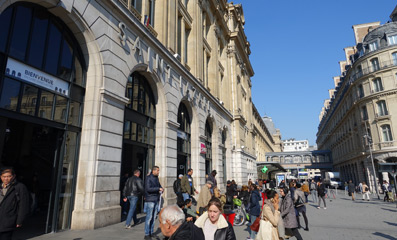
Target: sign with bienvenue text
28,74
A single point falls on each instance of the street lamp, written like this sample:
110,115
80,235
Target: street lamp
372,161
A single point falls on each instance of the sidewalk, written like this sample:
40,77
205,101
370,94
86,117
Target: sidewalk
115,231
343,219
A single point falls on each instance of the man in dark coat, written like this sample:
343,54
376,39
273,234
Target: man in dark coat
178,189
174,227
14,203
153,189
132,192
351,189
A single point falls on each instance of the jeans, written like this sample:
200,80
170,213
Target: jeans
132,213
314,195
185,196
252,233
319,200
151,212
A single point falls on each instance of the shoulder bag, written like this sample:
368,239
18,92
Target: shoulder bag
255,225
265,230
299,202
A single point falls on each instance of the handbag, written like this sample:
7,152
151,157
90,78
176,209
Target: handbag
255,225
299,202
265,230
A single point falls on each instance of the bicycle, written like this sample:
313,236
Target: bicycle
241,215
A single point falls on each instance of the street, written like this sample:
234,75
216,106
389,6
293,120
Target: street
343,219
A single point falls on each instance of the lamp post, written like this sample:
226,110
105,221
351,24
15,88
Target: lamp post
372,161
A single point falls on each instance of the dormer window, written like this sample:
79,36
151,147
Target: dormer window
373,46
392,39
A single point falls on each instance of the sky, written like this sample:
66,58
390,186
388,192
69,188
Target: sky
295,50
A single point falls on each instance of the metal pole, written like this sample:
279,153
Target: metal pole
373,166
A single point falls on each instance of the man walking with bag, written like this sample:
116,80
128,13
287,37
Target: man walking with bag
132,192
187,185
153,189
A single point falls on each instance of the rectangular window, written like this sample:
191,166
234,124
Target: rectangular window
394,55
53,49
29,100
373,46
185,52
151,12
392,39
377,85
127,130
382,110
37,42
60,109
10,94
20,36
364,113
179,37
46,104
5,23
375,64
74,113
386,132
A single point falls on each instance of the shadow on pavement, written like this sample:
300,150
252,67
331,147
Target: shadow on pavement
384,236
391,210
390,223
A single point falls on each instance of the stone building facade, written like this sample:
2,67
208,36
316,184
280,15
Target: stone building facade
361,115
94,89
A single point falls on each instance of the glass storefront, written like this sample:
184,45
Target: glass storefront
208,145
139,129
183,140
42,94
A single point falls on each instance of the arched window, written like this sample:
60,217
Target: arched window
386,133
36,45
43,75
183,140
208,145
140,103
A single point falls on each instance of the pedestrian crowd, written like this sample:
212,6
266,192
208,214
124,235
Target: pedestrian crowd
273,211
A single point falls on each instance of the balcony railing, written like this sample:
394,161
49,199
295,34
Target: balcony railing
372,69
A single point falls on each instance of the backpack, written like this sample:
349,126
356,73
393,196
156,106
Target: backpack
177,186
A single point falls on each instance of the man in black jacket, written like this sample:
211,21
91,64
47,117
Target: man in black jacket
153,189
14,203
132,192
174,227
178,189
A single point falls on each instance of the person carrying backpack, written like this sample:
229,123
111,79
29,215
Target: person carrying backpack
178,189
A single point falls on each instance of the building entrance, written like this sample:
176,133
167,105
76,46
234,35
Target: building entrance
33,151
